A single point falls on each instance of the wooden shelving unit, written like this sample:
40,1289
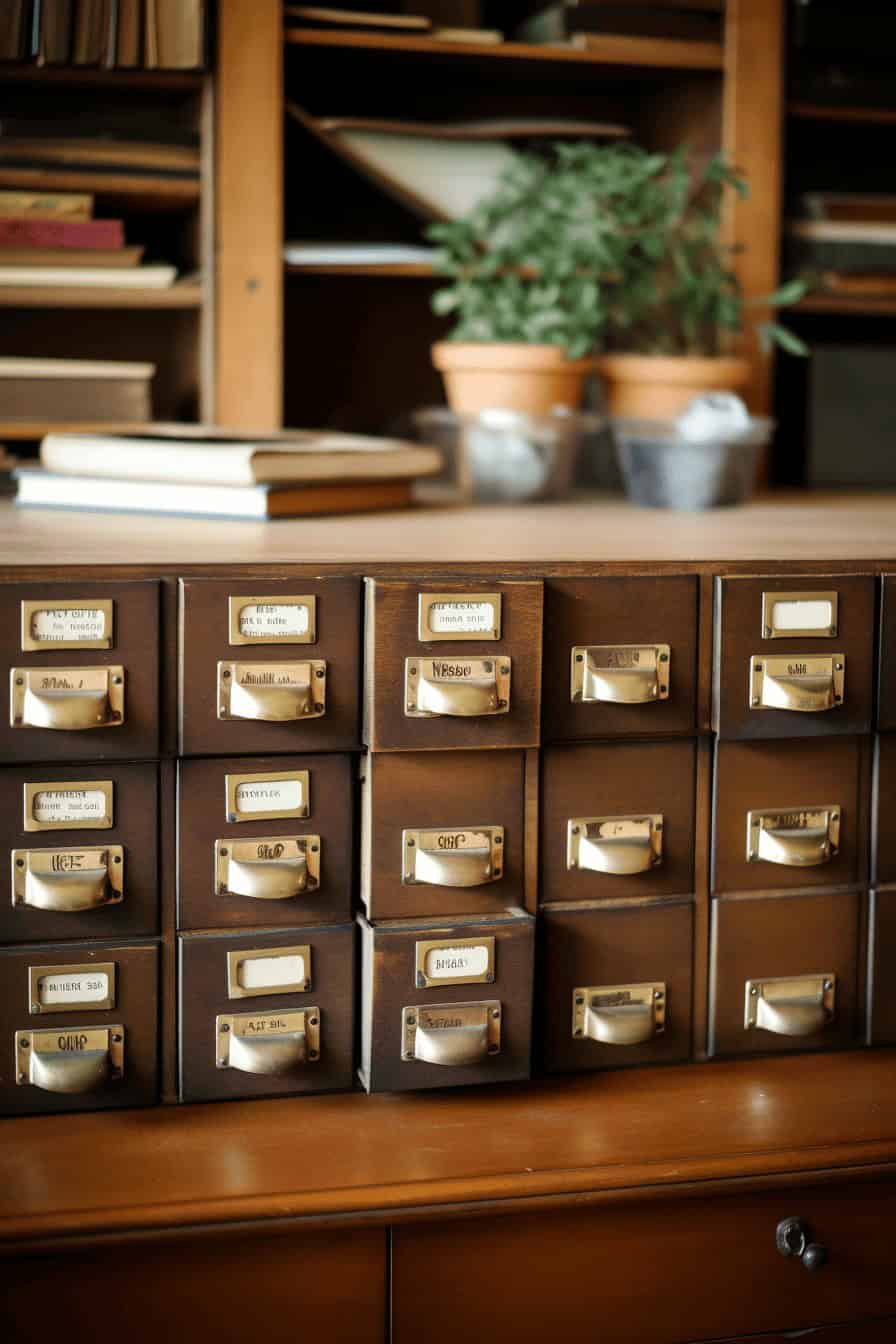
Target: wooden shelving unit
349,346
182,294
879,116
865,305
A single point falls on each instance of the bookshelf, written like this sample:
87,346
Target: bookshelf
172,216
349,346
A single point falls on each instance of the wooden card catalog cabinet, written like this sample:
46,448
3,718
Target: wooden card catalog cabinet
81,661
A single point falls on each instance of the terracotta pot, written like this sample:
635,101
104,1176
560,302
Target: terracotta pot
509,376
657,387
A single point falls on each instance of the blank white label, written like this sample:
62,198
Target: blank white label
270,795
68,805
271,972
68,624
813,614
465,618
74,987
446,963
261,620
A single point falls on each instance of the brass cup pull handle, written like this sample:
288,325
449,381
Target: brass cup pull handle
791,1006
467,868
456,1035
617,845
455,857
67,699
70,1060
623,674
271,1043
272,692
67,881
803,685
463,700
796,838
631,1024
274,869
275,706
459,688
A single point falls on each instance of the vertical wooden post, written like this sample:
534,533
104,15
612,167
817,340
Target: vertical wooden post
249,215
752,120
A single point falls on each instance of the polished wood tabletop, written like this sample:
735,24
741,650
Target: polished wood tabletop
388,1158
594,530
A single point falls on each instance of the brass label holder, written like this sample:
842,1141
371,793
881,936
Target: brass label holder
294,968
619,674
69,623
65,810
804,615
458,617
272,620
619,1014
454,961
456,687
93,981
266,788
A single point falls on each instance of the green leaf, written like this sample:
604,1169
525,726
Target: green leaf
772,333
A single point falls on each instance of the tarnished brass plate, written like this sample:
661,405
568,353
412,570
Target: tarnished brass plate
67,989
271,868
269,970
798,837
69,805
273,620
68,880
83,623
621,845
620,674
797,683
272,692
458,616
455,961
69,1059
799,615
269,796
453,857
67,698
619,1014
268,1043
456,687
456,1035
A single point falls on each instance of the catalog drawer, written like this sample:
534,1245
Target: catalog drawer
886,687
884,811
446,1003
617,819
442,833
266,1012
794,655
452,664
784,972
616,985
653,1271
882,962
78,1027
265,841
269,665
620,657
81,663
78,852
790,814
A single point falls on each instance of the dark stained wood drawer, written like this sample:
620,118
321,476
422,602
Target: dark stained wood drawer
777,673
620,658
657,1272
882,964
452,664
883,831
81,663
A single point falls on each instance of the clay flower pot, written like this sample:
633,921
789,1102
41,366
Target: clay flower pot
509,376
659,387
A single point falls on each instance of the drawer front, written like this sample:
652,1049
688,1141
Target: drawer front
266,1013
453,664
442,833
784,972
80,664
617,819
617,985
446,1003
712,1264
235,871
882,959
884,805
78,1027
620,658
776,673
886,685
303,695
789,815
59,820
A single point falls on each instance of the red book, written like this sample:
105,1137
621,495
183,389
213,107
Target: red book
97,234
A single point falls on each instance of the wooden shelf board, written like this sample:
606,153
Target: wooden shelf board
24,431
591,1137
639,52
860,304
147,191
823,112
182,294
94,77
419,269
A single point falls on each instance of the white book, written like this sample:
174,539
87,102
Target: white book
200,454
357,254
90,277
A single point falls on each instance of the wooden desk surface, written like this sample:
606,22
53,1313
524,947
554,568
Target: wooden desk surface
598,530
390,1158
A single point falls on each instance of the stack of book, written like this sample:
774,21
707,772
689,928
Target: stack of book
86,391
147,34
53,239
215,473
847,240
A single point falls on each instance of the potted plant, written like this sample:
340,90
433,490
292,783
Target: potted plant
525,291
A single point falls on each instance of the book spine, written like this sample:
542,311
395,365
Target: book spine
44,205
94,234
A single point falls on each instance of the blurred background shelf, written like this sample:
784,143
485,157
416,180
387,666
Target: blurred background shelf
84,76
866,305
881,116
409,269
182,294
23,431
